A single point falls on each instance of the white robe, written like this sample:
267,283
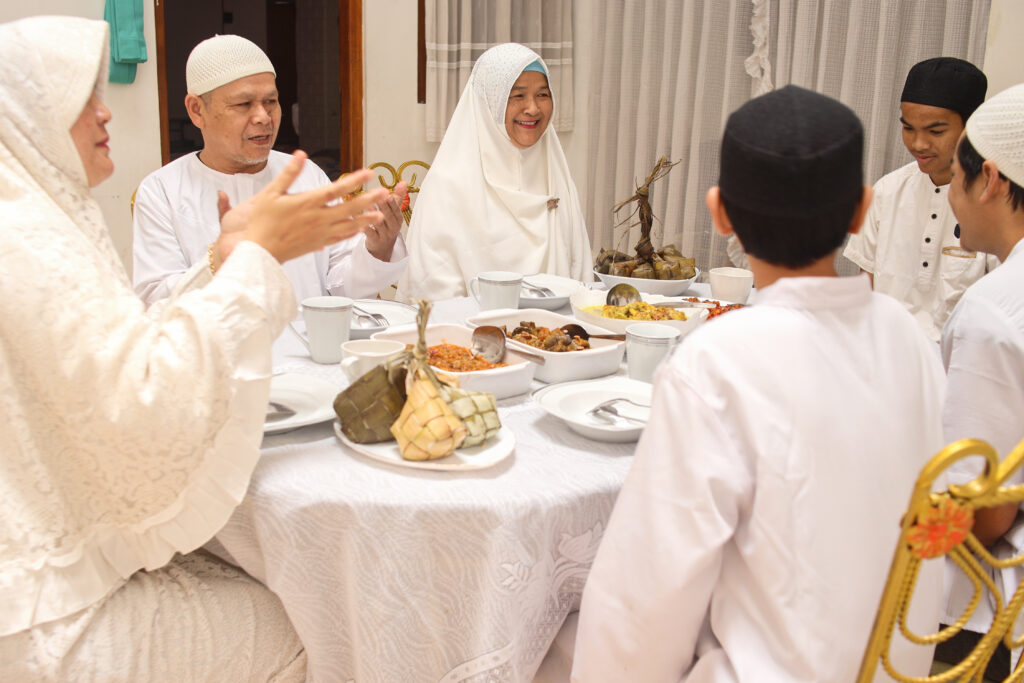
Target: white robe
175,220
901,243
487,205
754,532
983,351
127,434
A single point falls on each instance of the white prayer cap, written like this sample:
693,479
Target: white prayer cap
222,59
996,130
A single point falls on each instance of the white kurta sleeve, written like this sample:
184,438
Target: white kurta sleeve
354,272
649,591
862,246
158,261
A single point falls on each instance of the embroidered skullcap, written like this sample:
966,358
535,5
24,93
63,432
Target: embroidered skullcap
996,130
792,153
219,60
946,82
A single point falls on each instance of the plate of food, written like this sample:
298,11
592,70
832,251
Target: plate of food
298,400
487,454
449,349
715,307
589,306
608,409
394,313
549,292
565,358
650,285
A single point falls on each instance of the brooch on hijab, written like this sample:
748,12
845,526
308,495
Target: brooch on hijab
552,203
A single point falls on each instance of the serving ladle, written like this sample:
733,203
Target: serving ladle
488,342
574,330
623,295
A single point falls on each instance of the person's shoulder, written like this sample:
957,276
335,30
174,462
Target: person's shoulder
894,180
169,172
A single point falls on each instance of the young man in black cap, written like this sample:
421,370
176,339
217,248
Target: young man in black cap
909,243
755,530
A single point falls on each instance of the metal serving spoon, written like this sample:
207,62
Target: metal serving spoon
623,295
574,330
488,342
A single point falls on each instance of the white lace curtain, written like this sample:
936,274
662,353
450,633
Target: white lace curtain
459,31
667,73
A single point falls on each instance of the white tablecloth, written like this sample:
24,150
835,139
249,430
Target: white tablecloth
398,575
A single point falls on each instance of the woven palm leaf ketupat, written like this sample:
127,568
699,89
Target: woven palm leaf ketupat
369,406
664,264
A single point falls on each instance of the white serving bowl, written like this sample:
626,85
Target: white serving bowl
602,358
648,286
561,286
594,297
511,380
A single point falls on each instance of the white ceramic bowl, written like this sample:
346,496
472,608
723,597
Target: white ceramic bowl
511,380
602,358
585,298
572,401
647,286
561,286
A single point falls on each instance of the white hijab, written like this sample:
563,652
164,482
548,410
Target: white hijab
126,434
487,205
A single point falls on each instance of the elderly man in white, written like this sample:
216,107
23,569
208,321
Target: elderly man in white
232,98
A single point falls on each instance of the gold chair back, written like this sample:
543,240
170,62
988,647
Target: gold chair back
936,525
398,175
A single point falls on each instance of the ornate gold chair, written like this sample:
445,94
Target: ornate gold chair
397,176
939,524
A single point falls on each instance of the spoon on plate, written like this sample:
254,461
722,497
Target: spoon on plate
574,330
623,295
488,342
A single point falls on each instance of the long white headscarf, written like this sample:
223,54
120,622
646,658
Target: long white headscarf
487,205
126,434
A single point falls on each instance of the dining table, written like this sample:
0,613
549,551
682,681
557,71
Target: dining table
394,574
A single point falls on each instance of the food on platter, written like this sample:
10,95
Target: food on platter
648,263
455,358
719,308
368,407
546,338
638,310
438,416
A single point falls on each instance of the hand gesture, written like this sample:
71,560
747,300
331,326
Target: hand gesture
380,238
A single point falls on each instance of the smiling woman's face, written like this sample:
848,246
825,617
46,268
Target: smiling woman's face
90,135
529,108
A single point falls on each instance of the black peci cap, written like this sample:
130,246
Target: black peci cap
946,82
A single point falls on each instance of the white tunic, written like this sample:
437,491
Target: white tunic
127,434
754,532
907,243
486,204
983,351
175,220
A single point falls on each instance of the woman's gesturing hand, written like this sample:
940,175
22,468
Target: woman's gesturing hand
290,225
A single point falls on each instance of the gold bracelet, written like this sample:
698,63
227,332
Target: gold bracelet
209,258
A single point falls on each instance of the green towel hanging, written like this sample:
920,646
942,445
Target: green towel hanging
127,41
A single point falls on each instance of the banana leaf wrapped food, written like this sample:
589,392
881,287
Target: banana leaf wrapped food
438,416
369,406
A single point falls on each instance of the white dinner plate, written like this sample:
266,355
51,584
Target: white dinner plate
570,402
490,453
311,397
394,312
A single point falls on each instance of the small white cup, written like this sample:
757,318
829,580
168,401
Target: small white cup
646,345
363,355
731,284
496,289
327,325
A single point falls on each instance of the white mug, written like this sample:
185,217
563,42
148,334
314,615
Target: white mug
731,284
327,325
646,345
496,289
363,355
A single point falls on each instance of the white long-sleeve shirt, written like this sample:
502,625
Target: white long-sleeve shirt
908,244
754,532
175,220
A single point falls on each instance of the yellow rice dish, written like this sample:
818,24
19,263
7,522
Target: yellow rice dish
638,310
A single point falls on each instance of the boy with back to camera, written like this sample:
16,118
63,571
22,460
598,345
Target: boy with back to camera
754,532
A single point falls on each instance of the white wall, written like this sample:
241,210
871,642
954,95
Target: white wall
135,128
1004,49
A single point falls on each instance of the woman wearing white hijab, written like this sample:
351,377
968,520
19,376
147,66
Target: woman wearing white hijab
498,195
128,435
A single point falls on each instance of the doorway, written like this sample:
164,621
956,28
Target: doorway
316,49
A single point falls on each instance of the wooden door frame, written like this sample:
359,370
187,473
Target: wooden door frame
350,82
